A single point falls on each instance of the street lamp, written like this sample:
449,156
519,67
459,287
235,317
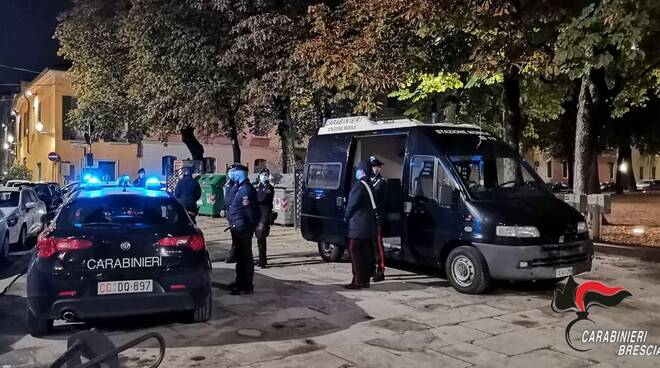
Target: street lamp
6,146
10,138
39,127
28,93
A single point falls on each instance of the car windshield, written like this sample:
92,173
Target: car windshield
493,171
123,210
9,199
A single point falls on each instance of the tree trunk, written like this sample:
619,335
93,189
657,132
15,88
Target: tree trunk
511,121
586,136
233,137
625,180
188,138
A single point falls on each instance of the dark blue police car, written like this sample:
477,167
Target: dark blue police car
113,252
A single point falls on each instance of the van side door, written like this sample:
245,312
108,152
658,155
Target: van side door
429,223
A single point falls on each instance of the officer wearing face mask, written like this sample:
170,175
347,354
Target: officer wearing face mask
378,184
362,228
265,194
242,215
229,192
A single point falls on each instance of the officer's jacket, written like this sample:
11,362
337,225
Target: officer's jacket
188,191
378,183
360,215
230,192
139,182
265,194
243,209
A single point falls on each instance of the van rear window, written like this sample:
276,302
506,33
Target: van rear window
323,175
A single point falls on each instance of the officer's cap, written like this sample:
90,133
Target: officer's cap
238,166
374,161
264,171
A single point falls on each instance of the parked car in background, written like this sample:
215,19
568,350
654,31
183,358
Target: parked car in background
561,187
4,234
56,188
22,210
13,183
46,193
608,187
648,185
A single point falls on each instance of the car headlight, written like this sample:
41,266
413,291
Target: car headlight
582,227
518,231
12,220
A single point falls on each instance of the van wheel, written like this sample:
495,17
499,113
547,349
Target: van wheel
202,311
330,252
38,326
467,271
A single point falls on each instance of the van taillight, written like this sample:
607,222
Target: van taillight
195,242
47,246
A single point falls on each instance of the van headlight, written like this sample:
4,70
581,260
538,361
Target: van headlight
582,227
518,231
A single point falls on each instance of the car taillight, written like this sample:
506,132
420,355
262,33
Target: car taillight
47,246
195,242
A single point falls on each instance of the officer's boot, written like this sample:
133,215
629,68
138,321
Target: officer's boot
231,257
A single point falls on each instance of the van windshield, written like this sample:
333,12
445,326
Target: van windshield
493,171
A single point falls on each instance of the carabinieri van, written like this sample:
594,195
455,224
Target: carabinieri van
457,198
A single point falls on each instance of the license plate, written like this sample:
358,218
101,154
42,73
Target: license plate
124,287
563,272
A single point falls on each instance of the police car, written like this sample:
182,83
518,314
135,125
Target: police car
118,251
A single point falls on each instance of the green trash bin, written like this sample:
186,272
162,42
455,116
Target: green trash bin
212,195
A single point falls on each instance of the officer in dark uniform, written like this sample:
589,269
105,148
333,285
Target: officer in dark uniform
229,192
362,228
188,192
242,215
378,184
265,194
140,181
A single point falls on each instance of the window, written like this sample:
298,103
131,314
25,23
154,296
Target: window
653,172
38,171
641,172
323,175
564,169
548,168
9,199
427,175
611,168
69,132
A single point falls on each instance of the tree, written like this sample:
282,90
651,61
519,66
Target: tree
17,172
610,45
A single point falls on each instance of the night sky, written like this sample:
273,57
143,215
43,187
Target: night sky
26,38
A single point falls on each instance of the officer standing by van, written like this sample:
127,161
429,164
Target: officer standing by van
362,227
265,194
378,184
242,216
140,181
188,192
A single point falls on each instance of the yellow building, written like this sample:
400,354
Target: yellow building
42,128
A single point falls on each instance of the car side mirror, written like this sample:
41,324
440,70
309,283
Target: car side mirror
30,205
47,218
446,195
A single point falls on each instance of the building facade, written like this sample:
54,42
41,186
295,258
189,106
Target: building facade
42,130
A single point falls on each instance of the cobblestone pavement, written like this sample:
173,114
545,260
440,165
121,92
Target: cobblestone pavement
300,316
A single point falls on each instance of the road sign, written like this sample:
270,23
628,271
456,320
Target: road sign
53,156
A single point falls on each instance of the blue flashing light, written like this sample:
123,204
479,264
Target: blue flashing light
93,180
156,193
152,182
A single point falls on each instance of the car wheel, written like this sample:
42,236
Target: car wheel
202,311
330,252
38,326
4,249
467,271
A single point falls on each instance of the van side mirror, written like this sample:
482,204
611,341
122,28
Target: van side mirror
446,195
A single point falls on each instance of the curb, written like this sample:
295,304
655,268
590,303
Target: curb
646,253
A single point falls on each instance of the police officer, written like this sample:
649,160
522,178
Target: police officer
362,228
188,192
140,181
242,216
229,191
265,194
378,184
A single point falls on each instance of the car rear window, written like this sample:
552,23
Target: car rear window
9,199
123,210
